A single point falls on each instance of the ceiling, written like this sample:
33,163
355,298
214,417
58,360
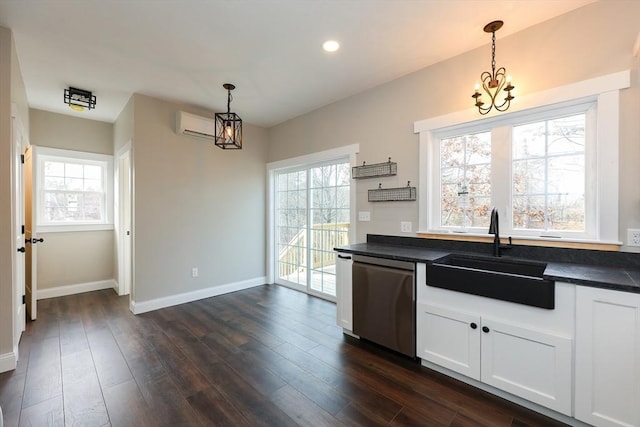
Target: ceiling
184,50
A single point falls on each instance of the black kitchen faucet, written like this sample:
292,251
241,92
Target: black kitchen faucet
494,228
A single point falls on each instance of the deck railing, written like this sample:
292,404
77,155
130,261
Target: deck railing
324,237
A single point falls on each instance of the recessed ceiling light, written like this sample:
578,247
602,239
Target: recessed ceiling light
331,45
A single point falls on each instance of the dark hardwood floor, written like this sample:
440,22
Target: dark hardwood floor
266,356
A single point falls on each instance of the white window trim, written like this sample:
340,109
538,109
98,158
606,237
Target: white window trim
43,153
349,151
604,89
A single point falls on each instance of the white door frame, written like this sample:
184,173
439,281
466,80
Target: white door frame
124,218
19,144
31,265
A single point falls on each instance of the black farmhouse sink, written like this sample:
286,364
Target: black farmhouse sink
506,279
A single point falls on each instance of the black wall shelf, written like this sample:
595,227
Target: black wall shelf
374,170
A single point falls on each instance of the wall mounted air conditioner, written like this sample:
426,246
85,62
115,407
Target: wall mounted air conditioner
190,124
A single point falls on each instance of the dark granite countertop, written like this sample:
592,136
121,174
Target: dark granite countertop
619,278
398,253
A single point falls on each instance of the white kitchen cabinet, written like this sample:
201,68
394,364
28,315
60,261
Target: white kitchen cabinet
533,364
607,357
344,295
447,338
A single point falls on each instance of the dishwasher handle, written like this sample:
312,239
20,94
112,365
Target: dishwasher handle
344,256
385,262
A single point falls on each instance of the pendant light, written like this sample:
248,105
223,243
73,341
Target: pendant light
495,81
228,126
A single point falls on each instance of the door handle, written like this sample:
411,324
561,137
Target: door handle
22,249
34,240
344,257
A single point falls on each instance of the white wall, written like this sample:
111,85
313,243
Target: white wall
70,133
195,205
591,41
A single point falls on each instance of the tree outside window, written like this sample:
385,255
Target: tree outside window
548,174
465,180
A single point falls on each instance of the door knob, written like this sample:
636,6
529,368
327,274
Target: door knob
473,325
485,329
22,249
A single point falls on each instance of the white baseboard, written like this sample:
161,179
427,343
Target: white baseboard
8,361
60,291
168,301
116,288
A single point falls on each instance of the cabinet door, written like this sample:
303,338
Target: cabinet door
534,365
607,357
449,338
344,298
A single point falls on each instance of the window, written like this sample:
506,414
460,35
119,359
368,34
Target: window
541,156
549,175
539,151
465,180
74,190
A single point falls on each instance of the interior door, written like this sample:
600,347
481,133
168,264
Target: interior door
30,253
124,178
18,202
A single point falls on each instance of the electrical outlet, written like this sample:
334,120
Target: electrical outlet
633,237
364,216
405,226
194,272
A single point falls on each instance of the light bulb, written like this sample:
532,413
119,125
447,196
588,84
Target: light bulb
331,46
477,87
229,131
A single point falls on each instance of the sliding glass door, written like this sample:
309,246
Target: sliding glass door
311,218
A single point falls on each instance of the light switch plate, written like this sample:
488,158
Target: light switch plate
364,216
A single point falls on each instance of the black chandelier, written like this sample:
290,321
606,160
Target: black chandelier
79,99
228,126
495,81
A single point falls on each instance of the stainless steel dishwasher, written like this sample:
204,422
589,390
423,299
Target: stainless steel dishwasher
384,309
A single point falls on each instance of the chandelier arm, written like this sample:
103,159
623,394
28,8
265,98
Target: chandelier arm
484,110
504,106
